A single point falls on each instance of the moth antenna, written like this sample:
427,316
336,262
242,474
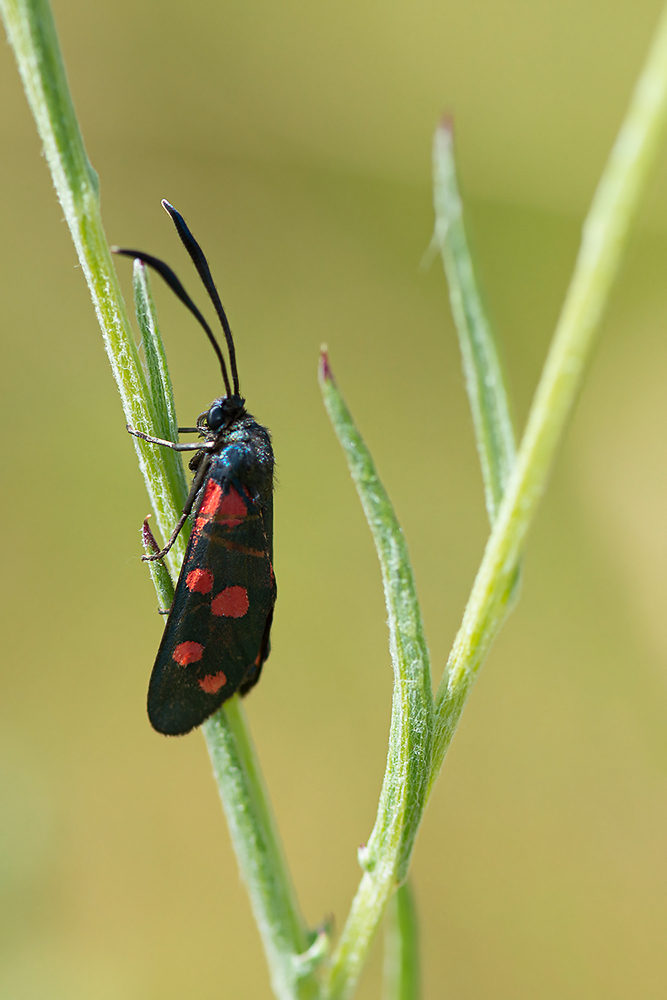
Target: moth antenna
204,271
170,278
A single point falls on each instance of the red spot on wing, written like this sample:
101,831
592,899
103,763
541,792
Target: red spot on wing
212,498
187,652
212,682
232,510
199,580
232,602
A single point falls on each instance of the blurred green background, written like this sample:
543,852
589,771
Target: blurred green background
295,137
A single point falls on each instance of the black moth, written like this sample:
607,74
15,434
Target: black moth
217,634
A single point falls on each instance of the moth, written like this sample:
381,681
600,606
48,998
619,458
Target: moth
217,636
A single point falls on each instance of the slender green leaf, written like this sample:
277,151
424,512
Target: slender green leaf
387,856
293,954
483,374
401,948
159,383
161,393
604,239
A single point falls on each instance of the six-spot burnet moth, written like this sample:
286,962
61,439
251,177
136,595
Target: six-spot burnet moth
217,634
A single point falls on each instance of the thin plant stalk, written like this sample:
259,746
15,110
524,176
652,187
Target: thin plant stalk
293,954
291,951
386,858
401,948
419,734
32,34
604,238
484,379
159,383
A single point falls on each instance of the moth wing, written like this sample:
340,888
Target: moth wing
216,636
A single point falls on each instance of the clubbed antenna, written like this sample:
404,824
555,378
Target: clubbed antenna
170,278
200,262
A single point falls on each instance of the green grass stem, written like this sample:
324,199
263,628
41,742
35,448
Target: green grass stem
604,239
387,856
293,953
157,370
401,948
262,862
484,379
420,731
32,34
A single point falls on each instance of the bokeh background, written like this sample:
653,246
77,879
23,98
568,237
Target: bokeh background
295,137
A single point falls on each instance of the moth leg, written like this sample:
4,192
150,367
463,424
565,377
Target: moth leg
174,535
194,490
174,445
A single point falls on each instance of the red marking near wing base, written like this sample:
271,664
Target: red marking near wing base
212,682
212,498
232,510
232,602
199,580
187,652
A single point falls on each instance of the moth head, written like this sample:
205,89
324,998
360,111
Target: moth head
223,412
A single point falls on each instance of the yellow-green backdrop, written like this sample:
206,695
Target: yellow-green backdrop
295,137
